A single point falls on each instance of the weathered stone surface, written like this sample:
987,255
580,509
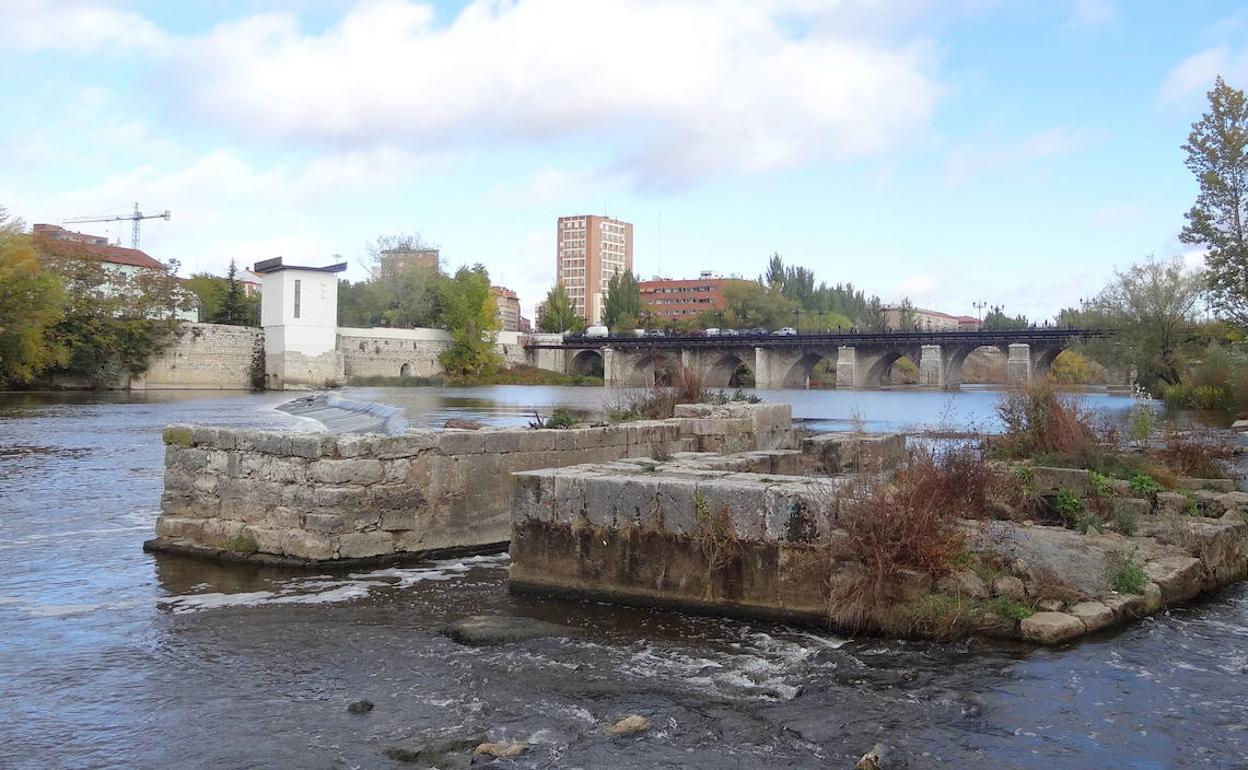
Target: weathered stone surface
630,725
1045,480
352,471
1051,627
500,750
963,583
1178,577
1094,615
486,630
1011,588
307,545
907,585
360,545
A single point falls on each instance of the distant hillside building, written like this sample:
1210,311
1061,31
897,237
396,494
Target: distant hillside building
404,258
675,300
508,308
929,320
588,251
57,242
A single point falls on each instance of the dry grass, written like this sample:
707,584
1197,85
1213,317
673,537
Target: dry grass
658,402
1038,421
1200,453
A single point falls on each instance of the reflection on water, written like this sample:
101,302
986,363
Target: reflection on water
113,658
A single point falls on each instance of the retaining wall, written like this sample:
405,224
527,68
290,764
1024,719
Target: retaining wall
318,497
408,352
207,356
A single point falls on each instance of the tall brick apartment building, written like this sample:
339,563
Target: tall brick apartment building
589,250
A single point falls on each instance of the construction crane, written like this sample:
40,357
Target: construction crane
136,217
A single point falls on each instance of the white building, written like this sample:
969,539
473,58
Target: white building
299,313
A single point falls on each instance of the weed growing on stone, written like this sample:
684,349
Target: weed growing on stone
1070,507
1125,574
1144,484
243,544
715,536
1099,485
561,418
1007,608
1126,520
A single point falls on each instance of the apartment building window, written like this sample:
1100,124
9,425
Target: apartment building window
298,295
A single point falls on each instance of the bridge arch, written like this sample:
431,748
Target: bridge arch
800,372
586,363
956,360
652,368
732,369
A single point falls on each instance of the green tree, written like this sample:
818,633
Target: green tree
559,314
208,289
623,303
31,302
234,309
1217,154
906,317
115,319
997,320
749,304
471,315
1151,308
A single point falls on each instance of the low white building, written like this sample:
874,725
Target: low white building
299,313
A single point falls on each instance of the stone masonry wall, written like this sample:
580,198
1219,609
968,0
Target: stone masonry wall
322,497
385,352
207,356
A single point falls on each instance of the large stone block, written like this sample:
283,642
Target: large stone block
534,496
1051,627
409,444
361,545
327,523
353,471
461,442
570,503
537,440
744,504
675,508
303,544
502,441
1179,577
180,528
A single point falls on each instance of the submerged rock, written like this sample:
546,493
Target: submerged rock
483,630
873,759
447,750
630,725
360,707
500,750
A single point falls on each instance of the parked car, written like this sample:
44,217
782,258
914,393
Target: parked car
597,331
654,333
639,332
712,332
755,332
787,331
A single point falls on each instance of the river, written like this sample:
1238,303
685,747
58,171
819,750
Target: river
110,657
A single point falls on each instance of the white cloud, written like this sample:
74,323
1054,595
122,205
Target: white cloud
1196,73
77,27
1092,13
972,160
680,88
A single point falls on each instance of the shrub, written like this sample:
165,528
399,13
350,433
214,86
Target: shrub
1125,574
561,418
1143,484
1099,484
1070,507
954,476
1141,422
1037,421
1126,520
1199,453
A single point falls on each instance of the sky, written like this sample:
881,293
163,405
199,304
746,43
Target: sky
950,151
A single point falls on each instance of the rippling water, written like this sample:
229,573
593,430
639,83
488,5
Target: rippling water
110,657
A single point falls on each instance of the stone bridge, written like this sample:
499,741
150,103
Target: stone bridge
859,360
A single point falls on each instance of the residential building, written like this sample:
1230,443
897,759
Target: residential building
508,308
121,264
923,320
402,258
589,250
674,300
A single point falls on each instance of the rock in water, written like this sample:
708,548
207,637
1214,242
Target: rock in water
360,707
482,630
630,725
500,750
1051,627
445,749
873,759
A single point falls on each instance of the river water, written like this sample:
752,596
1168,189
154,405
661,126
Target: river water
110,657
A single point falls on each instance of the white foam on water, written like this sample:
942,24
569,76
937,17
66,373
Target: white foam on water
323,589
